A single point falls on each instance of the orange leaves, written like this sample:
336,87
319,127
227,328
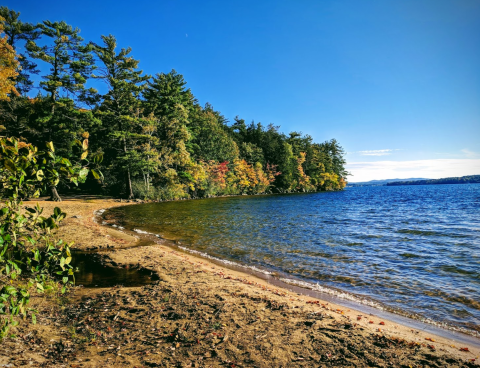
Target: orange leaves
8,66
271,172
218,173
429,339
302,178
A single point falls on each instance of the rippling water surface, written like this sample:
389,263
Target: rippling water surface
410,249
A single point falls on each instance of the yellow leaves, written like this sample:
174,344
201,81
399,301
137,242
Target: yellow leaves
23,145
50,146
246,176
197,174
302,178
8,66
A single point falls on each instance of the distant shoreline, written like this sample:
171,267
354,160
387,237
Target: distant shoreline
469,179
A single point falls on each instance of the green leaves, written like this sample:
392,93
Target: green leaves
95,174
29,254
9,165
9,289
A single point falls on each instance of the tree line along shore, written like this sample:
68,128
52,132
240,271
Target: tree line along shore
148,136
469,179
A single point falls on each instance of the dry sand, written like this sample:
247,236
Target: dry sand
200,314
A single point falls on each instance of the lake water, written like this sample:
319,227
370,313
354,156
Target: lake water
413,250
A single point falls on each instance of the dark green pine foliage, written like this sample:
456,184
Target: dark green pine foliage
171,103
119,110
59,116
71,62
157,141
334,158
165,92
210,140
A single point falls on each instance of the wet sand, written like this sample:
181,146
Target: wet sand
200,314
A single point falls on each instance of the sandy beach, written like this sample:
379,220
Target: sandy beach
200,314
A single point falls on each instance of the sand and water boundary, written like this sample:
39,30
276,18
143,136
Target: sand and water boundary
255,320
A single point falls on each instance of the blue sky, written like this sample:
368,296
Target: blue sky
397,83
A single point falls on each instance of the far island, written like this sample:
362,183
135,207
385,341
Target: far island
470,179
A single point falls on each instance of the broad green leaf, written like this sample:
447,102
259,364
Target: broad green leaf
9,165
9,289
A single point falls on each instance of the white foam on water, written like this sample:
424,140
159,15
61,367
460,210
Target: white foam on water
370,303
224,261
314,286
337,293
142,232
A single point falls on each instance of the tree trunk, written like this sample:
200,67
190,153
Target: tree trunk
128,179
129,185
54,195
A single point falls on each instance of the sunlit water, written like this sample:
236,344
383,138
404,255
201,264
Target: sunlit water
410,249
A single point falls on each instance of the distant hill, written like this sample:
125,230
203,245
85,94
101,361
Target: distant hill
381,182
456,180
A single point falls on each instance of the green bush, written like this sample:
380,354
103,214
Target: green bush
31,259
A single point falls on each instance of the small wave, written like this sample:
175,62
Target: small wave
337,293
143,232
410,255
458,270
430,233
224,261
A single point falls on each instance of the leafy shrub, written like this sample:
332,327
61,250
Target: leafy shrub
31,259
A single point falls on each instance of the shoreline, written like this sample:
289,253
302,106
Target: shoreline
183,274
263,276
310,289
433,327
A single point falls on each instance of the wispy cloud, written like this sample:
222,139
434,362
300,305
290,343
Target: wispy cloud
432,169
469,153
383,152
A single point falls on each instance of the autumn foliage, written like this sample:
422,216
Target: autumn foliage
148,135
8,66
